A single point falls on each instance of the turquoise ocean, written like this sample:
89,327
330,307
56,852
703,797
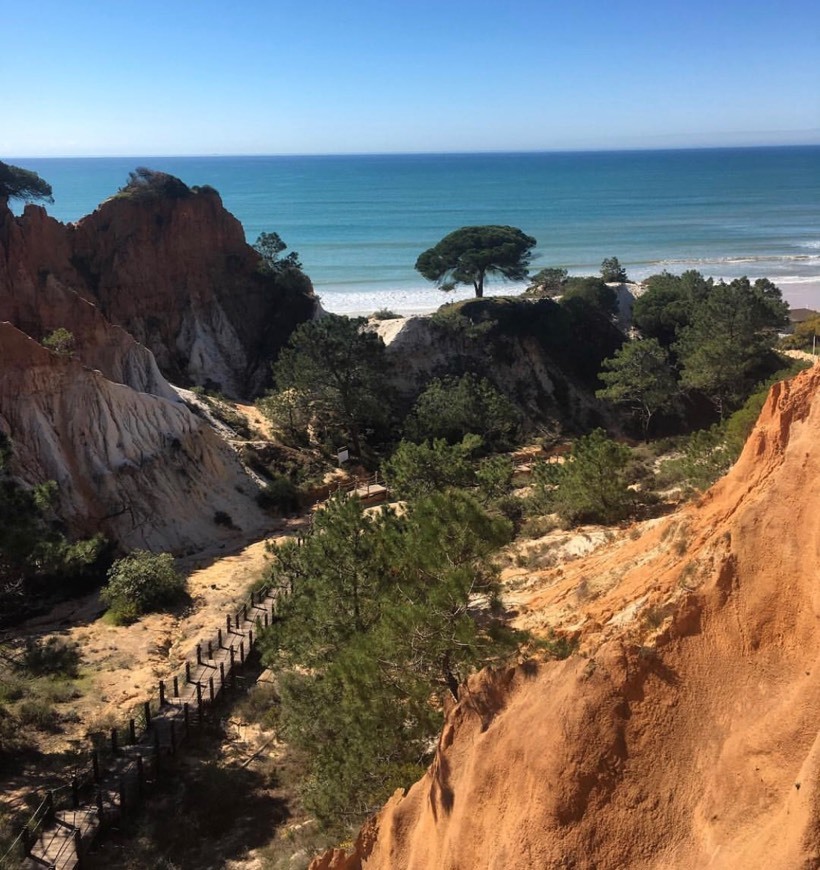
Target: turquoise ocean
359,222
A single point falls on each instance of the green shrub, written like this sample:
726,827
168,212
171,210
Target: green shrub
222,518
140,583
38,713
61,342
385,314
418,469
53,657
281,495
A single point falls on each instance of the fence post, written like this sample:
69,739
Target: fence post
266,617
233,654
25,842
176,687
186,713
49,814
211,692
241,652
95,765
78,846
146,709
132,731
187,672
228,622
219,638
210,650
75,793
161,693
140,777
199,703
199,654
222,675
250,639
100,804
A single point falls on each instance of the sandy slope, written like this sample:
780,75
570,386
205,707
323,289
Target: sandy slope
685,732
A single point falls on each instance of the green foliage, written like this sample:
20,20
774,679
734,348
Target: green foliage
727,337
612,270
280,495
594,292
547,282
335,370
385,314
453,407
804,336
667,305
53,657
415,470
18,183
591,486
61,342
39,714
494,476
639,376
470,254
141,583
145,184
33,550
269,246
375,623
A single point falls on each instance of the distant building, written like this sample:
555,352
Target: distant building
800,315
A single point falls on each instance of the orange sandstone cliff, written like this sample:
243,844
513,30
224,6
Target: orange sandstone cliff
685,732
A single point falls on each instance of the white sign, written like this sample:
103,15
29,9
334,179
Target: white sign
343,456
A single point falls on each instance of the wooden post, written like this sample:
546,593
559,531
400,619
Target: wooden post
186,713
236,619
187,672
251,597
219,638
241,652
76,836
244,613
176,687
114,742
199,702
250,639
222,675
49,814
210,650
266,617
140,777
211,692
100,804
161,694
233,654
132,731
75,793
228,621
199,654
146,709
25,842
95,765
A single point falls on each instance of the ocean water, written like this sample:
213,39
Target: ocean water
359,222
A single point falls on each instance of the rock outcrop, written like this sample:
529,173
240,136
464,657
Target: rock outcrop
683,733
140,468
543,356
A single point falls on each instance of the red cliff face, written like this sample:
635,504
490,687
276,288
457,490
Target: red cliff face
684,731
177,274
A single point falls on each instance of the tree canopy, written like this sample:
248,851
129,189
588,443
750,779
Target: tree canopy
612,270
470,254
331,376
18,183
269,246
640,377
379,617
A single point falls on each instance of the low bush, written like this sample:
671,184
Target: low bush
385,314
281,495
38,713
140,583
54,657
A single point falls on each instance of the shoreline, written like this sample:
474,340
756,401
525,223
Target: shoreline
798,291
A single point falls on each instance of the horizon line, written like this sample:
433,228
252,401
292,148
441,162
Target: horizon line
421,153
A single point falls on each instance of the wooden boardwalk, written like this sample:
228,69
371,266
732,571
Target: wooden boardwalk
116,779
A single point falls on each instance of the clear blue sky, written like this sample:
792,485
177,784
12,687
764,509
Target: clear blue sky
340,76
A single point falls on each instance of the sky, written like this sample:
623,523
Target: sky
198,77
